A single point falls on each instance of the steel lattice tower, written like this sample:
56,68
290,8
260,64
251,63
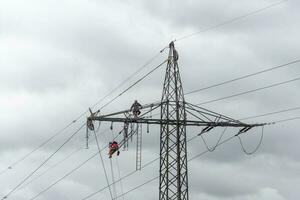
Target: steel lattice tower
173,183
176,115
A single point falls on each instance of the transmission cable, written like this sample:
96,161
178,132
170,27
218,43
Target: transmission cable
81,115
139,80
54,165
192,158
286,120
43,163
130,174
38,147
243,77
230,21
141,68
69,173
272,113
152,179
250,91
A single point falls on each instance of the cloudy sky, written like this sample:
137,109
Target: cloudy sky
57,58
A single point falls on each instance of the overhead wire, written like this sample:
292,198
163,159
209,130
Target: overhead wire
152,179
272,113
69,173
133,172
147,63
54,165
81,115
189,160
249,91
244,76
129,88
156,159
261,138
286,120
230,21
132,85
38,147
143,66
43,163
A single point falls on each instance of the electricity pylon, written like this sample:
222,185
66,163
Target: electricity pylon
175,115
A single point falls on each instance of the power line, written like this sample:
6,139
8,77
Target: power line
129,174
271,113
156,159
231,20
81,115
147,63
70,172
55,165
143,66
44,162
286,120
249,91
245,76
127,79
152,179
139,80
38,147
189,160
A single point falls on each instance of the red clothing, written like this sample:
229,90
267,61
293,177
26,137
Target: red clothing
114,146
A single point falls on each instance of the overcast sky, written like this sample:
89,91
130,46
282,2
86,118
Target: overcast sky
57,58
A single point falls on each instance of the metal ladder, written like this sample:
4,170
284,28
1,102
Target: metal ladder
139,146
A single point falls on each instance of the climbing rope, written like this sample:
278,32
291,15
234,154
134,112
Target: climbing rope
105,172
119,178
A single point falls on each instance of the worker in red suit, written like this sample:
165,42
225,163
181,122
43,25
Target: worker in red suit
113,147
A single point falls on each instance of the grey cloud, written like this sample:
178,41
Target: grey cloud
57,59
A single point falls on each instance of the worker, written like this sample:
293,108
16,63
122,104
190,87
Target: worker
135,108
90,124
113,147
